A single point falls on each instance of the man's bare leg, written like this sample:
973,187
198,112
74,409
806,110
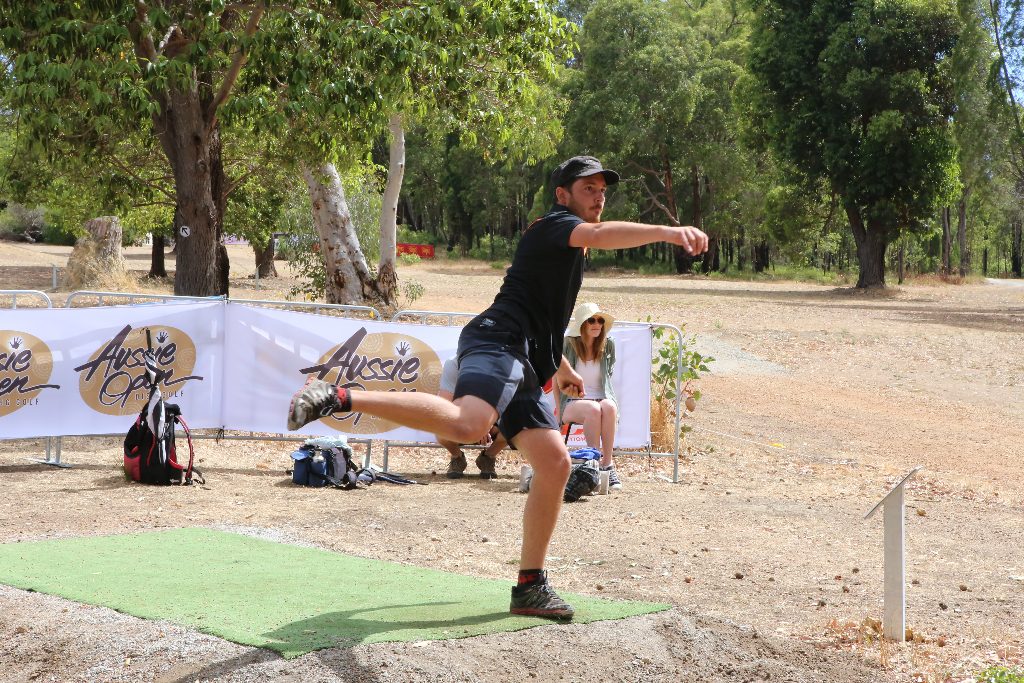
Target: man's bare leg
465,420
544,450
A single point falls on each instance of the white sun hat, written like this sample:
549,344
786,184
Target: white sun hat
583,313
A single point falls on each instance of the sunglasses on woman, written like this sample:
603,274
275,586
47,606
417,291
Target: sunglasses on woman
595,321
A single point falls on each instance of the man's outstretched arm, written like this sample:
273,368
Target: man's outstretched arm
623,235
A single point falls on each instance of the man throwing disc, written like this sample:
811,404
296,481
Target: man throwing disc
506,355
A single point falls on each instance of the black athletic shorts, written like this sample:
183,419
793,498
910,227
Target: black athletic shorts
493,366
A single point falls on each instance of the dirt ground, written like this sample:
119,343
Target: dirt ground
819,401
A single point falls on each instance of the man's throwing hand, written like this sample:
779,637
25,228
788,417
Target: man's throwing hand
569,382
692,239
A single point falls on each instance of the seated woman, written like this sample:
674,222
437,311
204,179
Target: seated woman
592,354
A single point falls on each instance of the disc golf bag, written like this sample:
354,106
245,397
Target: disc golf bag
151,457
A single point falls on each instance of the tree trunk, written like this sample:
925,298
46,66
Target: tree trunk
348,279
97,260
871,240
193,149
156,258
947,243
961,233
901,257
710,260
684,261
387,278
761,256
265,267
1016,256
741,251
984,261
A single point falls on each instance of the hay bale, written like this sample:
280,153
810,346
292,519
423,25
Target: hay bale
97,260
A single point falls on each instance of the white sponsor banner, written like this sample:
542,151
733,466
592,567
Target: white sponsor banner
631,379
273,352
81,371
236,366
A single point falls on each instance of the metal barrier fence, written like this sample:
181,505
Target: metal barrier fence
53,445
13,295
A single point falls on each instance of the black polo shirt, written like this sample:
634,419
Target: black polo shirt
540,287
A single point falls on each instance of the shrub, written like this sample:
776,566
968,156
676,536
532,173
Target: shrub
665,368
23,222
1001,674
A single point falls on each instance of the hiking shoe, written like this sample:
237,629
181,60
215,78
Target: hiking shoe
456,466
613,478
486,464
314,400
538,600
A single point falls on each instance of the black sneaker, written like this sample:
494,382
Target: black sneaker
456,466
314,400
538,600
486,464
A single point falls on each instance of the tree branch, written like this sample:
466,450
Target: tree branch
664,209
236,67
144,47
115,161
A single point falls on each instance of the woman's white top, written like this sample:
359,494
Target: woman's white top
590,371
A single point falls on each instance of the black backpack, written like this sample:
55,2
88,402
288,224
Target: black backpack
318,466
152,458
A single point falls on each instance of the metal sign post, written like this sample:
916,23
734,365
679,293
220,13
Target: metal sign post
894,617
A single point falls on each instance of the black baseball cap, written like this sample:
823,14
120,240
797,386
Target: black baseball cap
580,167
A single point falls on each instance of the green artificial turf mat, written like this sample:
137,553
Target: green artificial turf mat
283,597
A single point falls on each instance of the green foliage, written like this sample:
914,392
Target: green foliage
23,221
409,259
667,366
411,291
1001,674
319,79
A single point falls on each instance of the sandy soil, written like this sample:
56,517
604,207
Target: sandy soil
819,401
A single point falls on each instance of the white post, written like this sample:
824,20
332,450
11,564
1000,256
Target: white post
894,618
894,604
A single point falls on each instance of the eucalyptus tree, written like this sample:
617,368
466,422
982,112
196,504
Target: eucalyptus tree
981,139
653,95
477,79
320,76
858,93
634,97
1007,30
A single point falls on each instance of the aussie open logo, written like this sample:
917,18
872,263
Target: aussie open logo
382,361
113,381
25,368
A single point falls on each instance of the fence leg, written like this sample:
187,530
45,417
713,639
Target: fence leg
53,445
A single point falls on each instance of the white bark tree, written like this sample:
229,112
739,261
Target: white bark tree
348,277
387,278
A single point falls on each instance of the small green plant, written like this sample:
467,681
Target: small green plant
1001,674
666,367
411,291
